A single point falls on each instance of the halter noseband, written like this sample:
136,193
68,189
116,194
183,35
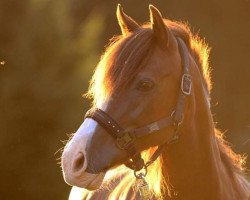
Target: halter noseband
125,139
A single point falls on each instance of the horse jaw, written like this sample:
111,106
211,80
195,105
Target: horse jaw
87,180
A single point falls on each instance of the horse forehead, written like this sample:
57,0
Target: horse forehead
162,62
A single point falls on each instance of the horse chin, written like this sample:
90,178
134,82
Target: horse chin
87,180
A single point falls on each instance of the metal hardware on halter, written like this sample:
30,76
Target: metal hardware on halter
141,173
143,188
186,84
154,127
124,141
141,183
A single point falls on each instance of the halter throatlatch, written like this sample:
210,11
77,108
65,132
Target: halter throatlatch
125,139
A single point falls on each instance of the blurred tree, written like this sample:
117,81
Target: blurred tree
41,86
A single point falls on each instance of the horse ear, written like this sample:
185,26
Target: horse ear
160,30
127,24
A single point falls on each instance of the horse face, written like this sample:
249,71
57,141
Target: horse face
150,96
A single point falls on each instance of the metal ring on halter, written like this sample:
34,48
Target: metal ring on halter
141,174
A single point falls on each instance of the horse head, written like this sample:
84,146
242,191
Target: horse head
139,88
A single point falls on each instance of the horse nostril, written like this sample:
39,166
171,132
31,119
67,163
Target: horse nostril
79,162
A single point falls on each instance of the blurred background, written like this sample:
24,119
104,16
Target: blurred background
50,49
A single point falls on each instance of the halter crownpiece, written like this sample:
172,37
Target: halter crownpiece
125,139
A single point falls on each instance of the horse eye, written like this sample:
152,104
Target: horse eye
145,85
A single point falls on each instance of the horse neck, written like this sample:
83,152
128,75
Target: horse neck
193,166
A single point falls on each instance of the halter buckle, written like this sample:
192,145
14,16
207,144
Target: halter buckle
186,84
124,141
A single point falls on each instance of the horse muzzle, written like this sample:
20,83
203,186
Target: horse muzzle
74,172
74,160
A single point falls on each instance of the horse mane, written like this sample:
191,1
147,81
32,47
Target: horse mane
232,160
125,56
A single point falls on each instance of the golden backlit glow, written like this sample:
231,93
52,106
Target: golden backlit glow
100,86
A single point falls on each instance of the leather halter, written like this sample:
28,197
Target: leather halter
125,139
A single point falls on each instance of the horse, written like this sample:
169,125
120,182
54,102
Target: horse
150,132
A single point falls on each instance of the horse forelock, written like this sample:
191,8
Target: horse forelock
120,63
125,56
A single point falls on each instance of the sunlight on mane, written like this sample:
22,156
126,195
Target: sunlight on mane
236,161
201,52
99,87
